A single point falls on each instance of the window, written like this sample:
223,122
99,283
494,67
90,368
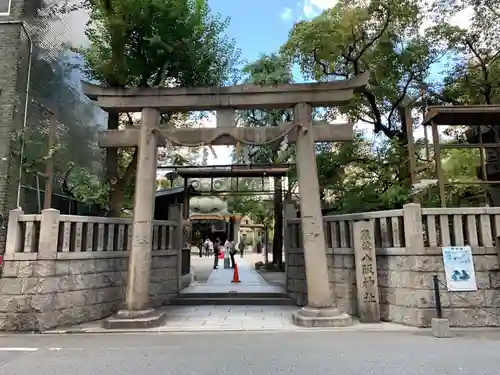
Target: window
4,7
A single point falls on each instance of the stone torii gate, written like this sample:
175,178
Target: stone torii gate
321,309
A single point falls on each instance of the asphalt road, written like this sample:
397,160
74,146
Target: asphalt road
322,353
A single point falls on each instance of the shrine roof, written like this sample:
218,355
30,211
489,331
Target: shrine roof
175,191
234,170
457,115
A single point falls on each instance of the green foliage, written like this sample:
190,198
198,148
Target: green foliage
474,76
153,43
244,205
267,70
156,42
379,36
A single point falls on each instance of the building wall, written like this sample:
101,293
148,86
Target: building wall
409,253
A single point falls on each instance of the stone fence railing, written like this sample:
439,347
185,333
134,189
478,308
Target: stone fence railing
474,226
408,245
50,235
65,269
339,230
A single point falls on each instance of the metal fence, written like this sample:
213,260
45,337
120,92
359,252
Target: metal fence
50,76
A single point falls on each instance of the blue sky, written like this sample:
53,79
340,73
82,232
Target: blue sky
256,25
262,26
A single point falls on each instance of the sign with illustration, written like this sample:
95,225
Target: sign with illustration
459,268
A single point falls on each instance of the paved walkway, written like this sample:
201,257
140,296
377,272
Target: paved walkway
220,279
232,318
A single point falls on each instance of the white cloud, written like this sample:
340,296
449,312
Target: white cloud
462,19
312,8
286,14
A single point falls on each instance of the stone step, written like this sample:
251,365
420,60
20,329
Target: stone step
241,301
233,294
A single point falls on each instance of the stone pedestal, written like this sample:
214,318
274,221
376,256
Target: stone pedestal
135,319
440,328
137,312
320,317
321,309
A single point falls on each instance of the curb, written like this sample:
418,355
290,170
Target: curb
224,330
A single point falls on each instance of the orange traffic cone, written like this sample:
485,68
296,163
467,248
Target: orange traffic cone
236,276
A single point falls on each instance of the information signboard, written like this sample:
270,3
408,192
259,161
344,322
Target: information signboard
459,268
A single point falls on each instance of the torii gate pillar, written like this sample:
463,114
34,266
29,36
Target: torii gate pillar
137,312
321,310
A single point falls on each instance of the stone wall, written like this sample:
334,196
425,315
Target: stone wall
409,253
83,278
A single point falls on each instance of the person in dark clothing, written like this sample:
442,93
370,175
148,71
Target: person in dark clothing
241,248
216,254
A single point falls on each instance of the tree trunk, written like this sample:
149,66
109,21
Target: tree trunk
278,222
404,172
116,201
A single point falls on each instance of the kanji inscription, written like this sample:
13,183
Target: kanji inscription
366,272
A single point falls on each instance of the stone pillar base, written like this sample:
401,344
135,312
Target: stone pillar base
314,317
135,319
440,328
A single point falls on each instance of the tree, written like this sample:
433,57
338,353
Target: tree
244,205
152,43
474,76
382,37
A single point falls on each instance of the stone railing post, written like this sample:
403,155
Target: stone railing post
175,214
413,228
49,234
14,240
289,212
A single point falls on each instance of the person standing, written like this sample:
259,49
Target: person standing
216,254
232,252
241,248
206,247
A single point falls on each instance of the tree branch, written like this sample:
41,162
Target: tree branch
484,69
378,35
325,68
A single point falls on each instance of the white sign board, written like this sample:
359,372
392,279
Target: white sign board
459,268
4,7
